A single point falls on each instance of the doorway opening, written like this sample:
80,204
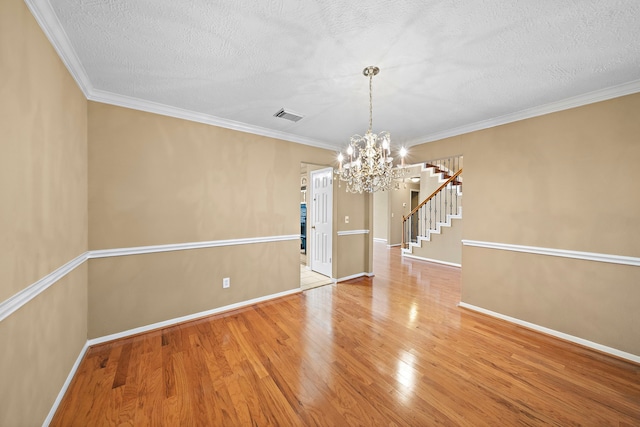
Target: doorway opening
316,225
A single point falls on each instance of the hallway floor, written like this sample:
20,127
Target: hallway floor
310,279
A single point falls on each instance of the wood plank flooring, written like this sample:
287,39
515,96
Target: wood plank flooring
390,350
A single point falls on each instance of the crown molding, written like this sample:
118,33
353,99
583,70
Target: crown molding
50,25
181,113
564,104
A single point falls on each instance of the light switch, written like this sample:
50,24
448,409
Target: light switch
346,219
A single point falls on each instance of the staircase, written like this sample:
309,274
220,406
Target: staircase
436,212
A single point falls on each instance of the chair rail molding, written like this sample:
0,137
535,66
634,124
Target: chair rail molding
564,253
13,303
352,232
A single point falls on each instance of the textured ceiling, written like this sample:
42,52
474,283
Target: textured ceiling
445,65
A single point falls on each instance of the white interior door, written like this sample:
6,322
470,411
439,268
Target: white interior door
321,220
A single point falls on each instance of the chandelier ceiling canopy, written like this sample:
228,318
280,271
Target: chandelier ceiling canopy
368,166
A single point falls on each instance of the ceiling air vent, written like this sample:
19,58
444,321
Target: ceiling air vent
289,115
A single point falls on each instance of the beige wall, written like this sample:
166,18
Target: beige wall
40,343
43,217
590,300
133,291
160,180
381,215
157,180
565,181
43,165
353,253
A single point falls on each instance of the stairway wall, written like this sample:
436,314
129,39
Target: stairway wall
444,247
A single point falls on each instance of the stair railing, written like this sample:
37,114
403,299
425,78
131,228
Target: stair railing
432,210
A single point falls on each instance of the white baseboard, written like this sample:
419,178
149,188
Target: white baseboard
437,261
353,276
585,343
189,317
65,386
395,244
147,328
379,240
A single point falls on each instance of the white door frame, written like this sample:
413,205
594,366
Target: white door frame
320,251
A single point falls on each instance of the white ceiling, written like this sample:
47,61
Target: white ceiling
446,66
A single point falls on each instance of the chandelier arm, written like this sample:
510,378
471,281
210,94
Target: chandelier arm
370,166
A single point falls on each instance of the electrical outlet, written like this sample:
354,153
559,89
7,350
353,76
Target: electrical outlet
226,282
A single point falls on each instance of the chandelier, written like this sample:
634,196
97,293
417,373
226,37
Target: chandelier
369,166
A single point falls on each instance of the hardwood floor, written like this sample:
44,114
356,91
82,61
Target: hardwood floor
389,350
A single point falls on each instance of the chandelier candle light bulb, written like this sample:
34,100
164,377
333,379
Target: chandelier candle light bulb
370,167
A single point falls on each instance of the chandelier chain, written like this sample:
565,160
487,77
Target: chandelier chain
370,101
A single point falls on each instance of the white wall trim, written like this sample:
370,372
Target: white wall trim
152,327
103,253
51,27
21,298
587,256
379,240
437,261
563,104
393,245
180,113
352,232
9,306
66,384
353,276
190,317
553,332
